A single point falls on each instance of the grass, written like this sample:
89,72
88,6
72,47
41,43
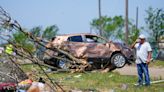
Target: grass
103,82
30,67
96,81
158,63
155,63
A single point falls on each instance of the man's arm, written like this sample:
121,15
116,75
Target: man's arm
133,45
149,49
149,57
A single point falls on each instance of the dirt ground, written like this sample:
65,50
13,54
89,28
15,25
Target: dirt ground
155,72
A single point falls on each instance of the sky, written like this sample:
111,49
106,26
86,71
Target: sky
73,16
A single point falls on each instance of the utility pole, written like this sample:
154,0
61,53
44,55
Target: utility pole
126,22
99,12
136,18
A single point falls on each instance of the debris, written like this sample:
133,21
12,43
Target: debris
21,90
27,81
78,76
48,70
41,80
9,72
110,76
76,90
7,87
105,70
124,86
24,85
111,90
39,87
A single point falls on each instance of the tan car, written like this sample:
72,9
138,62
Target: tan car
96,50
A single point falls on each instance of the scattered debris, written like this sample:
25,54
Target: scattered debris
39,87
24,85
110,75
76,90
124,86
9,72
111,90
7,87
78,76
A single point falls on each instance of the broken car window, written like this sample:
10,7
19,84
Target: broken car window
94,39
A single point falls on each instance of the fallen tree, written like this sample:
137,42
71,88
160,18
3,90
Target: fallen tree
8,24
11,25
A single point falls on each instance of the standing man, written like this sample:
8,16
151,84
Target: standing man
143,58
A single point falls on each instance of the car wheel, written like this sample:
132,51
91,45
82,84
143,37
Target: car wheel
118,60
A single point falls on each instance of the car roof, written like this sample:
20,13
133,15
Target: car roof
77,34
65,36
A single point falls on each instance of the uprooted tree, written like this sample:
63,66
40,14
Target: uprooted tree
12,26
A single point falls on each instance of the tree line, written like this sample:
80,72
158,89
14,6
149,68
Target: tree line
113,27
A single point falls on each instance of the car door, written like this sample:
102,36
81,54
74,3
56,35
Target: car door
76,46
97,47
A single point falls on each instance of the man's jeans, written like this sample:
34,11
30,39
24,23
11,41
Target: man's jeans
143,68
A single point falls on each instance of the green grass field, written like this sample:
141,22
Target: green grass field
157,63
104,82
97,82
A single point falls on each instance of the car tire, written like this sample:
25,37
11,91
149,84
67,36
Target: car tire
118,60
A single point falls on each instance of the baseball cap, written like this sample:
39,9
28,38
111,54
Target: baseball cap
142,36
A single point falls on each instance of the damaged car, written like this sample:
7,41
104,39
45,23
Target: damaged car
93,49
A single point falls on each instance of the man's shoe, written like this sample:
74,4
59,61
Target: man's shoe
139,85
